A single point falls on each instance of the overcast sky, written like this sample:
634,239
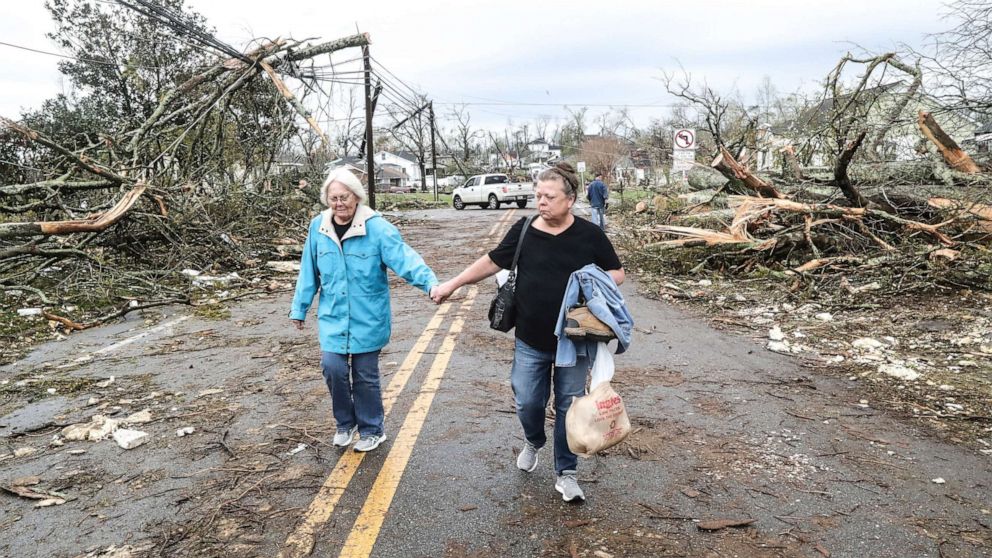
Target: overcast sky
545,53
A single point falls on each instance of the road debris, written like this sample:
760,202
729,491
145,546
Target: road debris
297,449
98,428
105,383
129,439
717,524
141,417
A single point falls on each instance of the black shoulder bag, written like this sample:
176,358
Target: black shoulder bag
503,308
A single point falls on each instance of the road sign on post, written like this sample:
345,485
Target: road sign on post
683,151
684,138
580,166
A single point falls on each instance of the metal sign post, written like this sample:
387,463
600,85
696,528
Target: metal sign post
683,151
581,167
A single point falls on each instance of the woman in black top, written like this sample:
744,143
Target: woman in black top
556,245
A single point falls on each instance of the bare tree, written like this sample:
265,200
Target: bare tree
541,126
413,132
603,153
349,129
847,123
958,61
463,132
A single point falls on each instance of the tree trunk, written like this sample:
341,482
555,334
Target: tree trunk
729,167
840,172
791,168
953,155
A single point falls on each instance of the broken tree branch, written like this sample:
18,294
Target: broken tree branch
729,167
953,155
94,223
80,160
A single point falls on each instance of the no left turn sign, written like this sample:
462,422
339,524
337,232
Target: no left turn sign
684,139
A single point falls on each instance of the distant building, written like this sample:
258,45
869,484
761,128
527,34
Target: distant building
983,138
541,151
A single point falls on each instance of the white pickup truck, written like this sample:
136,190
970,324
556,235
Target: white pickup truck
491,191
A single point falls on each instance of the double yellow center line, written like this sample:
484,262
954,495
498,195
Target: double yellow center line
369,522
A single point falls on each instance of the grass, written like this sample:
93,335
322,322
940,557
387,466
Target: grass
426,197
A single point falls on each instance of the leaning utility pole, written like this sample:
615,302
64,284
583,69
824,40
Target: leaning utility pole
433,151
369,151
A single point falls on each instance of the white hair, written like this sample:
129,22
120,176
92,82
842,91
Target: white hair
348,179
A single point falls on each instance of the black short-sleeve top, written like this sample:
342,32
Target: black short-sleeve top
545,264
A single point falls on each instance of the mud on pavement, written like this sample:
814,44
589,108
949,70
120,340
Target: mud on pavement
725,433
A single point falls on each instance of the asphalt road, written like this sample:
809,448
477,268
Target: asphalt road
723,429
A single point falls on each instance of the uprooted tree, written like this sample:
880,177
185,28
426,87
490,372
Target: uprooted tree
162,159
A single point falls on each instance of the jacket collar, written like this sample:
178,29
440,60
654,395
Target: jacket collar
362,214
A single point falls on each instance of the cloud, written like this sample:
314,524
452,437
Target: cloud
552,51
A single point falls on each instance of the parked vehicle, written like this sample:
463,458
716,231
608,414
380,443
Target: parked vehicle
491,191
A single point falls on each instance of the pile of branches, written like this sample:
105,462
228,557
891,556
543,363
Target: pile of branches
812,231
109,221
882,219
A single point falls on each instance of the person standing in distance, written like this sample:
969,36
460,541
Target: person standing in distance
597,194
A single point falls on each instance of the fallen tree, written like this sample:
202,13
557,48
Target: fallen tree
117,211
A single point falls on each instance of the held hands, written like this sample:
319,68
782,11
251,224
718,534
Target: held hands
441,292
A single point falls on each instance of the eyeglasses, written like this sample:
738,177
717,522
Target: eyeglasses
339,199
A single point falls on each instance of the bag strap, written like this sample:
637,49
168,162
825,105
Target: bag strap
520,242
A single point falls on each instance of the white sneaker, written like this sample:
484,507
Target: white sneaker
527,460
343,438
369,443
568,485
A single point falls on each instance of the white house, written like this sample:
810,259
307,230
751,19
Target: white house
541,151
403,159
983,138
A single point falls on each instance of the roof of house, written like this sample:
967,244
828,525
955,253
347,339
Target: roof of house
389,172
400,154
354,162
817,114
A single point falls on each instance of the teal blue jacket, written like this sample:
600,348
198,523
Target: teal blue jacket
353,313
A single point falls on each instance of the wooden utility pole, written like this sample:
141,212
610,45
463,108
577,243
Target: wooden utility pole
369,151
375,100
433,150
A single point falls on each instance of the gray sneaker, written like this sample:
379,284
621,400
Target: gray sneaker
369,443
568,485
343,438
527,460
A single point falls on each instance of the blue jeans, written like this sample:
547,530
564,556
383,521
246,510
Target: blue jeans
599,216
356,398
531,378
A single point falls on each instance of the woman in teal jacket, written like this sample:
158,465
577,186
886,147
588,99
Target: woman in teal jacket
348,248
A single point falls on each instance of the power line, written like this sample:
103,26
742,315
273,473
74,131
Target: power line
522,104
175,22
80,59
412,90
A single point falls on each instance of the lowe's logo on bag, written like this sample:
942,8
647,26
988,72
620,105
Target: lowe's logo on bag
608,403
